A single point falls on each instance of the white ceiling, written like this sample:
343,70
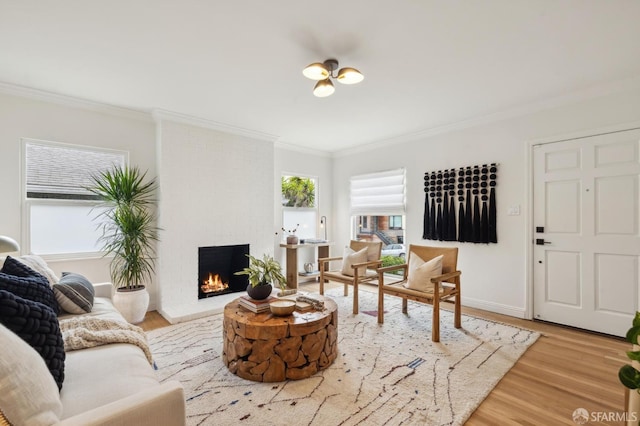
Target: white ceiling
427,63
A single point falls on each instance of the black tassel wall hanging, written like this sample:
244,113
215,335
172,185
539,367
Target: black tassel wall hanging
460,204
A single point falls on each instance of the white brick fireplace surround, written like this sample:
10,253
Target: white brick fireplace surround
215,189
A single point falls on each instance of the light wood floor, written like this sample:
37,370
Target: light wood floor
564,370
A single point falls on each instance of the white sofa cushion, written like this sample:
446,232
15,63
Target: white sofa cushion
28,393
104,374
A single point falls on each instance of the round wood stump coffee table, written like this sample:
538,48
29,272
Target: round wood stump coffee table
267,348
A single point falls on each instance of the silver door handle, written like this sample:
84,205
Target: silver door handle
541,241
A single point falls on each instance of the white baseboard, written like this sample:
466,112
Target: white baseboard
497,308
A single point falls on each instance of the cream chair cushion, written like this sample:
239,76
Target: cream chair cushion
421,272
352,257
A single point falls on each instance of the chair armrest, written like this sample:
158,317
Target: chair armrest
381,272
445,277
393,268
323,260
160,405
103,290
367,264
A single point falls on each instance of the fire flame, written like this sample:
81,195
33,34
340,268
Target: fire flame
213,283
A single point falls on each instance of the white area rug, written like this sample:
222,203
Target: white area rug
389,374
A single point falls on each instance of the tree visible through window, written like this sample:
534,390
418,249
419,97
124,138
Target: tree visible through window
299,207
298,191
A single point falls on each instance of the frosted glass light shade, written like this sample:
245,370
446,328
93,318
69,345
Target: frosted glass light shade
324,88
316,71
350,76
8,244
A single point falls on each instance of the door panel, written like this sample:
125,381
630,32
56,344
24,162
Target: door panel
616,205
586,199
563,277
613,294
563,206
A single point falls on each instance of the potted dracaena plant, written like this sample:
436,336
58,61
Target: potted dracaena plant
263,274
127,220
629,374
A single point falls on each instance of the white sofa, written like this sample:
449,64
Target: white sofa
112,384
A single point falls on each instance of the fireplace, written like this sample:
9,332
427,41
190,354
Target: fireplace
216,270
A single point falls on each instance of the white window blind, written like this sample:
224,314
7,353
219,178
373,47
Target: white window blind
381,193
64,171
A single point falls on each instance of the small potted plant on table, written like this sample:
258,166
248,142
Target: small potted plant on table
263,274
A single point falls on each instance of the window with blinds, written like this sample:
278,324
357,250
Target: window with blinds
381,193
378,207
58,171
59,211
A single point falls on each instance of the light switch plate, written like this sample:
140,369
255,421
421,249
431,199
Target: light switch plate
514,211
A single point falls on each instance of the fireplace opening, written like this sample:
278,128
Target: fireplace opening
217,266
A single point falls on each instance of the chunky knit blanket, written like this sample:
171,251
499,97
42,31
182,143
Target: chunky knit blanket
87,332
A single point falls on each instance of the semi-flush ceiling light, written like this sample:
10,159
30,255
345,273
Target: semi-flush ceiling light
324,88
324,72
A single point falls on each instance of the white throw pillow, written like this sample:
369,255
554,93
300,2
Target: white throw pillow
39,265
28,393
352,257
421,272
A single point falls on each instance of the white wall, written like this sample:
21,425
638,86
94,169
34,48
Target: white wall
67,121
494,276
215,189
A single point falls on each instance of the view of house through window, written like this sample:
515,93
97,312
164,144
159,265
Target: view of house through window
59,210
388,229
299,207
377,209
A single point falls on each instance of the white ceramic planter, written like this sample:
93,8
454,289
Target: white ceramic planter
132,304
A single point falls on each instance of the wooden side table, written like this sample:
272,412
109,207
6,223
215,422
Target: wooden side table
267,348
292,259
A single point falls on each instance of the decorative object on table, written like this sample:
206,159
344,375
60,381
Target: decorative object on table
292,238
288,292
129,232
308,267
476,204
254,305
282,307
8,245
263,273
316,302
629,374
300,305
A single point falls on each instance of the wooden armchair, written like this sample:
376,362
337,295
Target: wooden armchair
422,288
363,270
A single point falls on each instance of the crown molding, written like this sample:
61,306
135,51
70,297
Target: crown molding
161,114
303,150
72,101
592,92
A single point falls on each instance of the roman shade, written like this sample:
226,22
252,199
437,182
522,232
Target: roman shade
381,193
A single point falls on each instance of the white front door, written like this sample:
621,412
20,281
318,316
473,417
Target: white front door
586,217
